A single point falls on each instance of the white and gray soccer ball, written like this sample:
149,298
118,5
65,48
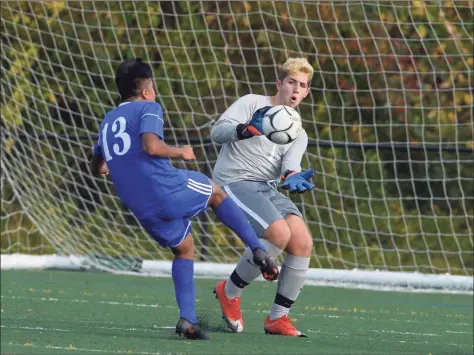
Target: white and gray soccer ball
282,124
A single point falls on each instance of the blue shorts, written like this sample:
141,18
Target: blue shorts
173,224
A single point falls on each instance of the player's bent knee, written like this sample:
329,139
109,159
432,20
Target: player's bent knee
278,233
301,242
218,195
300,245
307,245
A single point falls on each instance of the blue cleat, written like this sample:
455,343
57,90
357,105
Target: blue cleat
189,330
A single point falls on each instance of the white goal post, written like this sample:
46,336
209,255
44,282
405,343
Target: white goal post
389,116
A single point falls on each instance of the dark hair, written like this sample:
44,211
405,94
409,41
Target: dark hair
129,76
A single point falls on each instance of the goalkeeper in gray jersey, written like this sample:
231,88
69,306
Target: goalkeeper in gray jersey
249,168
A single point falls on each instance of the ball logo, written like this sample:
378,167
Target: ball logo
281,124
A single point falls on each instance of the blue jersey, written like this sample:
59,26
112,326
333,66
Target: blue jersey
144,183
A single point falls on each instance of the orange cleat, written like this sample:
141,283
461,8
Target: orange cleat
230,309
282,326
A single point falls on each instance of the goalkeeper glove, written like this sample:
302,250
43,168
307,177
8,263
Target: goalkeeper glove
267,266
298,182
254,127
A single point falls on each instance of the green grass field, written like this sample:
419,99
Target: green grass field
61,312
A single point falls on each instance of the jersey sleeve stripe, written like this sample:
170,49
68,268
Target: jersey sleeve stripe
152,114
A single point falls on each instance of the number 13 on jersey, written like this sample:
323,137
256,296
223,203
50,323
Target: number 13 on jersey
118,127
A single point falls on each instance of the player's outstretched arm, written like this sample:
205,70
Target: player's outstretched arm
153,145
238,114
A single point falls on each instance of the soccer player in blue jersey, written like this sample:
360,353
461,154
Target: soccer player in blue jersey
164,198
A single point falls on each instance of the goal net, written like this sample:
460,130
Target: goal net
389,116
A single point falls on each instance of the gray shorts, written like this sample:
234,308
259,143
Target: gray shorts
261,203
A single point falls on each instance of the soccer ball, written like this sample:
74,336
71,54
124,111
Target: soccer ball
281,124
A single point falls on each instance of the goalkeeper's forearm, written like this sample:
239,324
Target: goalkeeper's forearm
224,132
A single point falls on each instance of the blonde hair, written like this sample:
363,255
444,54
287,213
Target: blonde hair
294,66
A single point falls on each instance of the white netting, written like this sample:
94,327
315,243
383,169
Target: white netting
395,76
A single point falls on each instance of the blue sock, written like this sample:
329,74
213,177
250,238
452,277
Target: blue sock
182,272
232,216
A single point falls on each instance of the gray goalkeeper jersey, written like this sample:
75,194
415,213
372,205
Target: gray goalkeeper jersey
256,158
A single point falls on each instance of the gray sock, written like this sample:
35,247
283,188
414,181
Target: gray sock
246,271
292,277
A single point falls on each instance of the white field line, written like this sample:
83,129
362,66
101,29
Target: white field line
351,336
453,332
292,314
36,328
335,335
408,333
383,331
154,329
87,350
142,305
